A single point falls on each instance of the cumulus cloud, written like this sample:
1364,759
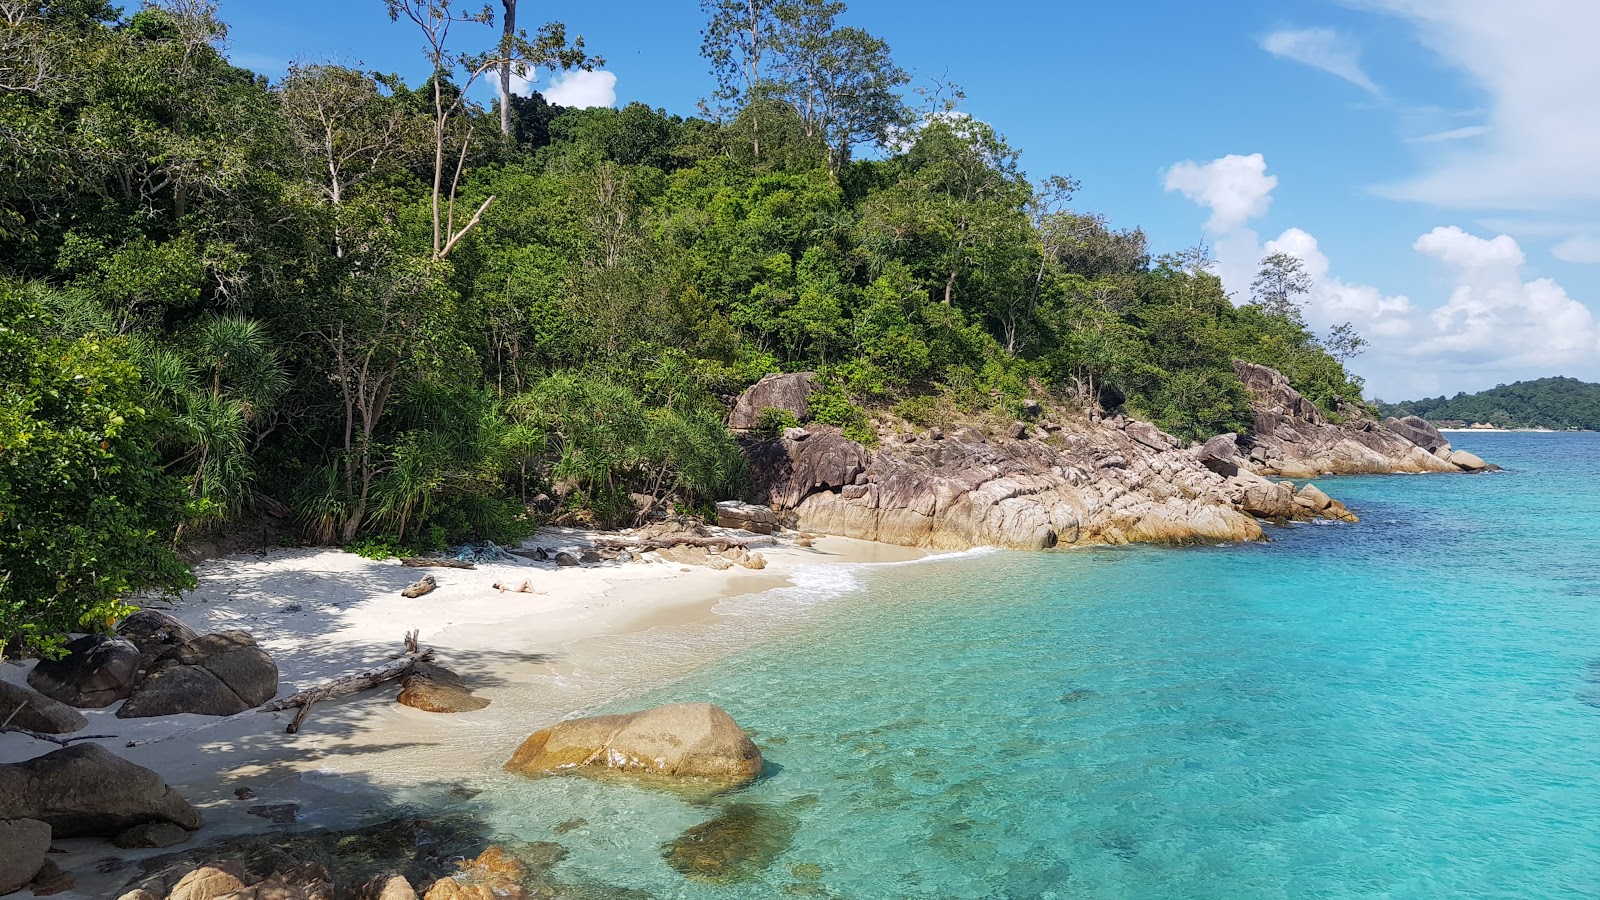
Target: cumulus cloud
1331,300
579,89
1235,188
1320,48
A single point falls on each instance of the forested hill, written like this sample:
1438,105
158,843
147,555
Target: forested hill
389,315
1559,403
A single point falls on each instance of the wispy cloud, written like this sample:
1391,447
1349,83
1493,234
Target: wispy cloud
1454,134
1320,48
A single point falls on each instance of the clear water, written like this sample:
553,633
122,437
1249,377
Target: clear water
1409,707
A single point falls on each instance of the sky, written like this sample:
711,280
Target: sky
1435,164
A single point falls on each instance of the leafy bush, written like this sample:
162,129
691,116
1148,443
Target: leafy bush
772,421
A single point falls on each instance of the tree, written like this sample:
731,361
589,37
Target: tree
1278,286
737,35
508,33
344,121
86,512
1343,343
843,81
435,19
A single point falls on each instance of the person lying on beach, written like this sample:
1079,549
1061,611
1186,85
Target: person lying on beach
526,587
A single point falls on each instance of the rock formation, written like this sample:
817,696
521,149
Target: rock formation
694,741
436,689
789,392
154,633
26,708
23,844
96,672
87,791
214,675
1290,437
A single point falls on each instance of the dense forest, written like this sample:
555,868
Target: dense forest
1558,403
397,315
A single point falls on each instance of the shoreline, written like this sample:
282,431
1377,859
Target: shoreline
593,636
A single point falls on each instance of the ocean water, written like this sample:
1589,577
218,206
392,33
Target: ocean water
1408,707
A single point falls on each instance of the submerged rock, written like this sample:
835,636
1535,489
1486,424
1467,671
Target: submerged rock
694,741
436,689
739,844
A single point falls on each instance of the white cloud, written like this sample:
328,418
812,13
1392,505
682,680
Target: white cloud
1537,64
578,88
1320,48
1235,188
1454,134
1331,301
1580,249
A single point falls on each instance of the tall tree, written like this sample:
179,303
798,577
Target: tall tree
435,19
738,34
1279,284
508,32
842,81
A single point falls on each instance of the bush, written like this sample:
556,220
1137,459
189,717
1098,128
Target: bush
772,421
923,411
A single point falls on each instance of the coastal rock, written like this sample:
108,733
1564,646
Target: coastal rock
388,887
1221,455
209,882
215,675
1313,498
747,516
86,790
151,834
739,844
493,875
1290,437
1418,431
51,880
680,741
790,392
96,672
788,471
23,844
1471,462
438,690
27,708
154,633
1150,436
1268,499
567,559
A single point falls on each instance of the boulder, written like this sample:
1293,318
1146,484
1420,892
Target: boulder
27,708
23,844
567,558
51,880
388,887
215,675
787,472
154,633
151,834
96,672
1471,462
493,875
1017,431
438,690
1313,497
1268,500
1221,455
1418,431
790,392
747,516
687,555
86,790
1151,436
696,741
209,882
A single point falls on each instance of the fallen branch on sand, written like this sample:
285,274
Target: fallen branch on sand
397,668
7,728
719,543
436,562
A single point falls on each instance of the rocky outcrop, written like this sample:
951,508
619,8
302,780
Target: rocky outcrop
1292,438
96,672
789,392
85,790
746,517
1419,431
215,675
436,689
154,633
1094,484
26,708
493,875
23,844
695,741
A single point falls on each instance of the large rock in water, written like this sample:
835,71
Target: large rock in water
1418,431
86,790
436,689
27,708
96,672
23,844
790,392
215,675
1292,438
696,741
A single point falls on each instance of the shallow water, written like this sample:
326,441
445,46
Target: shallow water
1409,707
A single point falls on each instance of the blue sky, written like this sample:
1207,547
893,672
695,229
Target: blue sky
1436,163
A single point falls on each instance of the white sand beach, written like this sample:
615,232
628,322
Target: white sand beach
588,637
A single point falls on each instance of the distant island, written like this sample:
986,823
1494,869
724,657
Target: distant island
1560,404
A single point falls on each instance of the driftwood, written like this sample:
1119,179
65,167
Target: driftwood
351,684
399,667
722,543
435,562
7,728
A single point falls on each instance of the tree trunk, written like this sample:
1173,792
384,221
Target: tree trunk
510,29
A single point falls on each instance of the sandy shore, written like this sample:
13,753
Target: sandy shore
589,637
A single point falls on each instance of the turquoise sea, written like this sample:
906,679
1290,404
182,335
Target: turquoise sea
1408,707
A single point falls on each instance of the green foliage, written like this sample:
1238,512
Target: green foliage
1557,403
830,404
772,421
86,515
